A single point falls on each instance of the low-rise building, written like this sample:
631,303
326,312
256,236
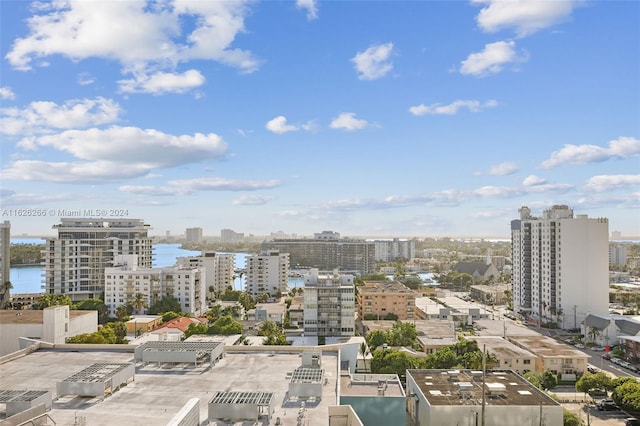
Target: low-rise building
562,360
53,325
509,355
381,299
490,294
461,312
432,334
465,397
606,330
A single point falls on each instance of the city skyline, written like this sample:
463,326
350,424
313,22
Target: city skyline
365,118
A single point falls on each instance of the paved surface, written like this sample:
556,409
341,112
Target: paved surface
157,394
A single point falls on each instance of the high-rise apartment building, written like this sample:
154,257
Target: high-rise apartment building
267,272
327,252
219,267
230,236
329,305
390,250
125,280
560,266
386,300
75,260
617,254
5,253
193,235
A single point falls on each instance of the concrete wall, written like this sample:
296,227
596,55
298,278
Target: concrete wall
189,414
87,323
343,415
55,324
11,333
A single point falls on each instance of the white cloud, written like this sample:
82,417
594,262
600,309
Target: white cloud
622,147
189,186
348,121
609,182
6,93
85,79
251,200
131,145
279,125
492,59
45,116
162,82
373,63
503,169
221,184
452,108
524,16
532,180
146,38
93,172
311,6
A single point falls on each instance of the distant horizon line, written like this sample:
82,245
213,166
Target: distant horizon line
301,236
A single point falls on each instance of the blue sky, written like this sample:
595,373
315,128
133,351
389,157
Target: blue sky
368,118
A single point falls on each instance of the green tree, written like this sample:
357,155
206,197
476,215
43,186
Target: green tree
225,325
571,419
122,312
534,378
168,316
139,302
364,351
443,357
549,380
166,304
589,382
390,361
49,299
195,328
119,331
627,396
6,294
402,334
376,338
94,305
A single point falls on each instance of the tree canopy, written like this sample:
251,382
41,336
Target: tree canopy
166,304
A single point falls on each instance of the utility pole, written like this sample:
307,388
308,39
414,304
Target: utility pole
484,372
575,316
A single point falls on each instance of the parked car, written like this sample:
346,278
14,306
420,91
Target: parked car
631,421
579,346
597,349
606,355
606,405
592,369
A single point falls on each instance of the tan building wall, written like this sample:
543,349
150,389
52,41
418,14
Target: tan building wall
380,298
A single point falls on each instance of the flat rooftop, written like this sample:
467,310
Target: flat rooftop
158,392
371,385
547,347
501,347
464,387
431,328
32,316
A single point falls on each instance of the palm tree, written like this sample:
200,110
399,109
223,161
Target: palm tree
593,333
6,293
139,302
364,351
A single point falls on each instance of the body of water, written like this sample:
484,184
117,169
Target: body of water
29,279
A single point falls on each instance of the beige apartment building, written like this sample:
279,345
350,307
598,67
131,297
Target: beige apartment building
378,299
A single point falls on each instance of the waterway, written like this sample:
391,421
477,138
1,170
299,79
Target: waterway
29,279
